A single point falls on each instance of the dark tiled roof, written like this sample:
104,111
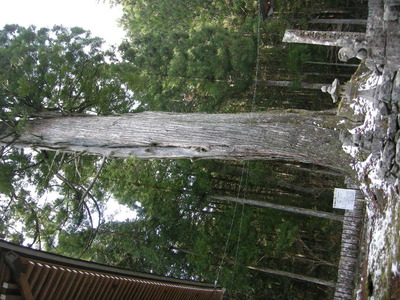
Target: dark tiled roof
31,274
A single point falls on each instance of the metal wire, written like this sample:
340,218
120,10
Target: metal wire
230,229
241,218
256,82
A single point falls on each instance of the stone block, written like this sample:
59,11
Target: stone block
396,88
385,91
392,126
398,152
383,109
389,152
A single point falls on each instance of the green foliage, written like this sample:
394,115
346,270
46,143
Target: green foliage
6,178
46,73
205,57
287,234
201,56
182,232
72,244
296,57
60,69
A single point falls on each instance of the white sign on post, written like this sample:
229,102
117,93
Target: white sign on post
344,199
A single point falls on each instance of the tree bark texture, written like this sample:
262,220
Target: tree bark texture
301,136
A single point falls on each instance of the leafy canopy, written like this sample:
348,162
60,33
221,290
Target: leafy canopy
45,73
58,69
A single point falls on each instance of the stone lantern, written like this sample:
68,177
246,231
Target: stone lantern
347,91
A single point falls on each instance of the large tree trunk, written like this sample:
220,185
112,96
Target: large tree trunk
301,136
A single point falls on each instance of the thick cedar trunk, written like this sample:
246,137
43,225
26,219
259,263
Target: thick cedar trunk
300,136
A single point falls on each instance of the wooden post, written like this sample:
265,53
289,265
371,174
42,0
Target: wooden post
17,270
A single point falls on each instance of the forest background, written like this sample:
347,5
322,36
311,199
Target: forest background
180,56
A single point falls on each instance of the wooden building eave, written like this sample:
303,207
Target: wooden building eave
32,274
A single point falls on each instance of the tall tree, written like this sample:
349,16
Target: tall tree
308,137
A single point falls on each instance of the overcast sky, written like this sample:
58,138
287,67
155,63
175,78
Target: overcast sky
91,15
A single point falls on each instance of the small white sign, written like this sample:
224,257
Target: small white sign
344,199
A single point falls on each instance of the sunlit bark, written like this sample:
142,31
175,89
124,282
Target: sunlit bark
301,136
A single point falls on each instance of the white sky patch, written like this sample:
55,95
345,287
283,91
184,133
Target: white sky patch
395,269
91,15
118,212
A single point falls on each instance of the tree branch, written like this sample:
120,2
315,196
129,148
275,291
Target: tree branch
94,179
312,254
37,235
51,166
